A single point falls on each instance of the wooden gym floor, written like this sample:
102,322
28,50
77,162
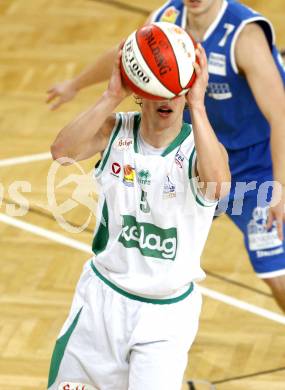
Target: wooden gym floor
44,41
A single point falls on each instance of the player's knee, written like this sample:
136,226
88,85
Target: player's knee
277,286
277,283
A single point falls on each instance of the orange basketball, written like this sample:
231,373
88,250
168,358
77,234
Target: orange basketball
157,61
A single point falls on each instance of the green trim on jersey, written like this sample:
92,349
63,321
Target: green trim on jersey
137,121
59,349
198,197
101,237
183,134
108,149
142,299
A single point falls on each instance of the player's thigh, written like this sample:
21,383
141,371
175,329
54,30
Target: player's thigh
157,365
159,355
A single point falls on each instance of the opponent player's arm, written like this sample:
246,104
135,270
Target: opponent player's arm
212,159
97,72
89,133
255,61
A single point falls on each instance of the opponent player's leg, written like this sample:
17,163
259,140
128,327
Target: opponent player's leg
266,252
161,342
277,286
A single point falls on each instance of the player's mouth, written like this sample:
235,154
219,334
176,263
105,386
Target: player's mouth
164,111
194,3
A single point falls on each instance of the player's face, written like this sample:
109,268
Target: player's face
164,113
197,7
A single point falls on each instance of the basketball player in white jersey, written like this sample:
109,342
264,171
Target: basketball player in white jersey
136,307
247,121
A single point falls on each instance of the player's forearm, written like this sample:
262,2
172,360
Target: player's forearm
74,137
99,71
211,156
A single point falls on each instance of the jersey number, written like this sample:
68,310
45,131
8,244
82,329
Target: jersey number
144,206
229,29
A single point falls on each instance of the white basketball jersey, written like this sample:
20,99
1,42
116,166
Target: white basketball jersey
152,223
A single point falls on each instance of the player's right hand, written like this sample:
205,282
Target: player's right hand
116,88
62,92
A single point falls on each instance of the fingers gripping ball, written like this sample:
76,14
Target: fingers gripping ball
157,61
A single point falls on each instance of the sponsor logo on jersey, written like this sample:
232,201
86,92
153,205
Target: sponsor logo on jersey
170,15
219,91
116,169
144,176
217,64
179,158
149,239
123,144
169,189
129,175
75,386
258,236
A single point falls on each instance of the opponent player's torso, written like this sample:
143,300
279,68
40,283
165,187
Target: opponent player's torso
157,227
230,104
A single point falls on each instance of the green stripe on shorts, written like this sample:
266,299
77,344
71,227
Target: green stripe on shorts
59,349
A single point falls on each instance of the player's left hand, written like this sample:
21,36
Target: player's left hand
276,210
196,95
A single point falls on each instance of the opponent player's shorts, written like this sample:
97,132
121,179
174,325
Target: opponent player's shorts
252,167
113,342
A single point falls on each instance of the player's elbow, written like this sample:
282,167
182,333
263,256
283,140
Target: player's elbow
223,184
56,151
223,175
59,153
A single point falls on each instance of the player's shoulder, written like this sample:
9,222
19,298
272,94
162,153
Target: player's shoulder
240,12
171,11
127,124
242,16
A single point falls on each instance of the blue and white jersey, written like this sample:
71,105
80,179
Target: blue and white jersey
231,107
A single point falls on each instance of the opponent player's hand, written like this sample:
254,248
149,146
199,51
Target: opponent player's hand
196,95
276,210
116,88
62,92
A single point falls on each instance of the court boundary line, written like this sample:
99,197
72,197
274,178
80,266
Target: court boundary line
25,159
41,213
70,242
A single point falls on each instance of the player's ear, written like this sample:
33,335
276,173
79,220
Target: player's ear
138,100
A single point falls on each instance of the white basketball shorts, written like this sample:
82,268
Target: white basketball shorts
112,342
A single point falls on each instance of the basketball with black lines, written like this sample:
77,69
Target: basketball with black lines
157,61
